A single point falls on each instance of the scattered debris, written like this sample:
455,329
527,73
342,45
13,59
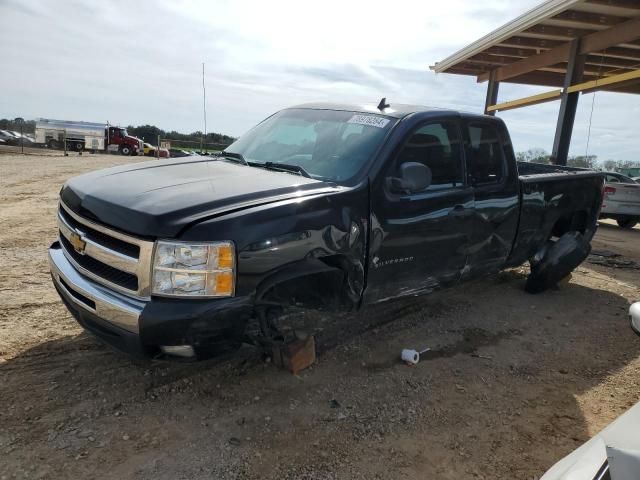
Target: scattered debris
411,357
612,260
484,357
605,253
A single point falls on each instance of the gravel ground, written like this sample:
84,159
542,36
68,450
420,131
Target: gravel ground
514,382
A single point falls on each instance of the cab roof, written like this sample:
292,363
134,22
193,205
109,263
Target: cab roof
395,110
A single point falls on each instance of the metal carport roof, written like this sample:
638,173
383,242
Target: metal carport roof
577,46
534,48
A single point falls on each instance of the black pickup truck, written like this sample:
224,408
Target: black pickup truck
319,206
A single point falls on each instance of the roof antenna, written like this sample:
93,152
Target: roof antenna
383,104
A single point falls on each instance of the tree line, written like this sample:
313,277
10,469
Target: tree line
148,133
539,155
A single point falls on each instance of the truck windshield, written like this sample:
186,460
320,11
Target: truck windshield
329,144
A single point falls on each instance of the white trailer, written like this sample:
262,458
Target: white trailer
78,135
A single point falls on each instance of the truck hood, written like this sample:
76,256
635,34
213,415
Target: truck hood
160,198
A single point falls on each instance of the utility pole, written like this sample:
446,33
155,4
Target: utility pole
20,121
204,109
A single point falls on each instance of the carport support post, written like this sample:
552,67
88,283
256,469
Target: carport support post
492,93
568,105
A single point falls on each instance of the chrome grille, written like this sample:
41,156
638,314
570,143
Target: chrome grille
109,257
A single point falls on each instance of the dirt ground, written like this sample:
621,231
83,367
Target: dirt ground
514,383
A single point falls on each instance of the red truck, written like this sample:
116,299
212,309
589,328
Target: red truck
86,136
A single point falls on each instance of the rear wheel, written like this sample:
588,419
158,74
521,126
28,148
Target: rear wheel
628,222
78,146
556,260
125,150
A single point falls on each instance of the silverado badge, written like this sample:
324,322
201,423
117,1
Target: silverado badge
77,243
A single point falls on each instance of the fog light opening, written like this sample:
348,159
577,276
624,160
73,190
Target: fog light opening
178,350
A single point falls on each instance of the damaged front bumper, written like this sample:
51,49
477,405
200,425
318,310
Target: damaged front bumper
147,327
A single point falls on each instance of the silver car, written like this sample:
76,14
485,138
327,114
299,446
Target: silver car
621,200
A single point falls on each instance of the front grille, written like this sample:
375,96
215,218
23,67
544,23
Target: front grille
102,270
108,241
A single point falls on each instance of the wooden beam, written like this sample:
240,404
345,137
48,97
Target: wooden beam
527,42
543,79
606,81
594,69
606,61
622,33
628,4
462,69
588,18
525,101
510,52
549,57
491,60
552,32
619,52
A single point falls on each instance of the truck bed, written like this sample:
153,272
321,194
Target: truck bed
554,200
537,172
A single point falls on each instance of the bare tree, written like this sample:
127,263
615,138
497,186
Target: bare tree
536,155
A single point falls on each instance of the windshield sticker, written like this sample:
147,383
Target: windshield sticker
369,120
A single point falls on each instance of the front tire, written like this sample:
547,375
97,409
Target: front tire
628,222
125,150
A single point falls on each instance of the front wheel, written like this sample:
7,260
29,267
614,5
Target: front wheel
628,222
52,144
125,150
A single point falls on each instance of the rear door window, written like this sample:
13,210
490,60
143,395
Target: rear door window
486,161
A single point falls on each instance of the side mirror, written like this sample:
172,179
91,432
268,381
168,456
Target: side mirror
414,177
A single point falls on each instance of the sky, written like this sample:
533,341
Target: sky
140,62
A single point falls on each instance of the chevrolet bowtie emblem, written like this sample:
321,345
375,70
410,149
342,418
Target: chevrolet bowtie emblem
77,242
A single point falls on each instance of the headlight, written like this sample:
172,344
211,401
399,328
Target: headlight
194,269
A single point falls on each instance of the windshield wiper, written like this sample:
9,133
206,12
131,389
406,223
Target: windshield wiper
287,167
235,156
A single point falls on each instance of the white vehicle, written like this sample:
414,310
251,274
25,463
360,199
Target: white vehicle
86,136
621,200
613,454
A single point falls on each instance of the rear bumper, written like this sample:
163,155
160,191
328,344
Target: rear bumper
615,209
139,327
